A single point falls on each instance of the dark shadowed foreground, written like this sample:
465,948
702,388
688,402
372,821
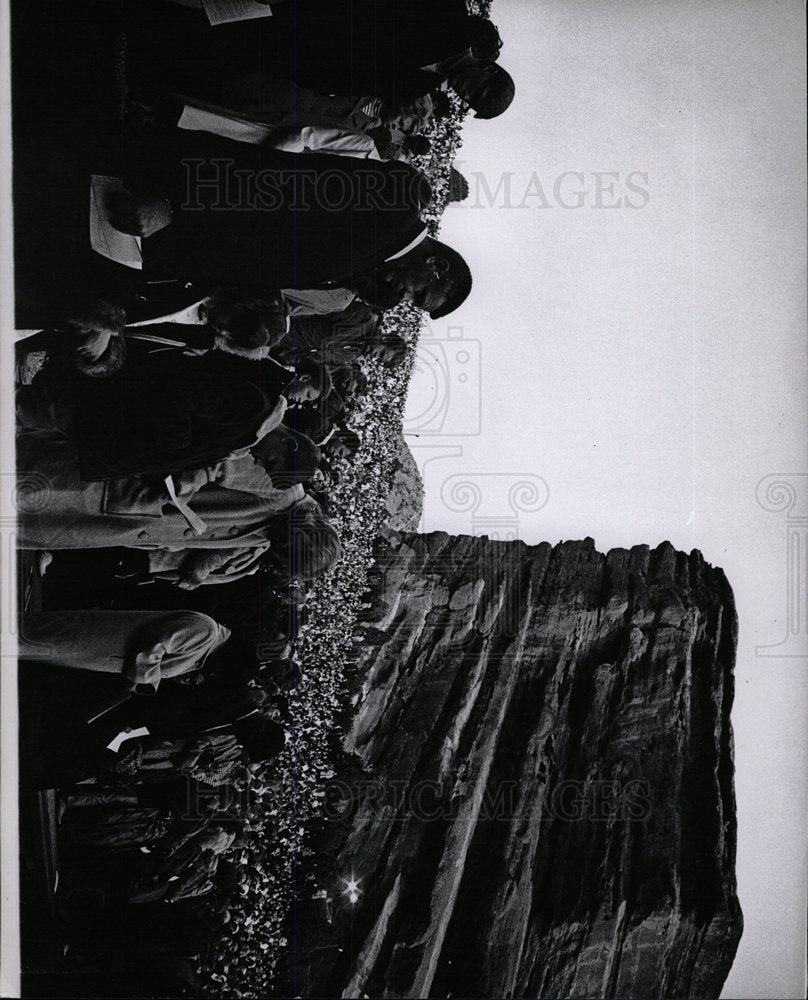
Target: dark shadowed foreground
549,808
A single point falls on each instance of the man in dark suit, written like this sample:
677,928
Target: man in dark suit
214,213
164,414
219,212
397,51
165,318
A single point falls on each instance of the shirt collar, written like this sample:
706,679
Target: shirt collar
410,246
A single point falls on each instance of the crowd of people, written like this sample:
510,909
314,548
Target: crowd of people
188,374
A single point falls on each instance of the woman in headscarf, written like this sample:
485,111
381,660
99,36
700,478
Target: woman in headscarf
139,647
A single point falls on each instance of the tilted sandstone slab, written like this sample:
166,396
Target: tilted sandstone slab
550,810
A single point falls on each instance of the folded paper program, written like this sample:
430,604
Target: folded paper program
224,11
104,238
127,734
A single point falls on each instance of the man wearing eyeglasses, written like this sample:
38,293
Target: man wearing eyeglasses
317,222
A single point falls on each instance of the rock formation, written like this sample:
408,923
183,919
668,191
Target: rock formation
549,810
405,502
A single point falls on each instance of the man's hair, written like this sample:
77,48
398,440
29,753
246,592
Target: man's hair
253,325
289,456
110,362
310,546
500,92
459,275
320,375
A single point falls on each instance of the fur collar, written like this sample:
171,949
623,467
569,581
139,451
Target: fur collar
251,353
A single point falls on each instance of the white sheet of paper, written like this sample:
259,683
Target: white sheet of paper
115,744
104,238
200,120
223,11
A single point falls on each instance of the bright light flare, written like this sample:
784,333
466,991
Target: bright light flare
352,889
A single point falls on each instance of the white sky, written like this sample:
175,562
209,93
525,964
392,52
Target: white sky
649,364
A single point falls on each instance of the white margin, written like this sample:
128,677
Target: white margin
9,815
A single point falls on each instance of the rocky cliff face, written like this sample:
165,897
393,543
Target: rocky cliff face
405,501
551,808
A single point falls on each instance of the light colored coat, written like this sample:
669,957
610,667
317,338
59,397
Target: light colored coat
141,646
234,498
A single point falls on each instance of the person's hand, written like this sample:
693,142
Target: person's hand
242,559
145,673
138,216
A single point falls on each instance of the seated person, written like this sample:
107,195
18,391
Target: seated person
183,710
375,247
393,138
234,503
223,689
92,341
399,52
209,758
214,756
